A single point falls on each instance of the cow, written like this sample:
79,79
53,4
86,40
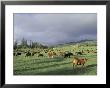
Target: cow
95,52
82,51
17,54
33,53
61,54
76,61
40,55
79,53
46,51
68,54
14,53
54,53
50,54
28,54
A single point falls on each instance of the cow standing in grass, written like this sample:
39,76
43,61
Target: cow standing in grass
61,53
33,53
50,54
14,53
54,54
76,61
68,54
28,54
17,53
79,53
40,55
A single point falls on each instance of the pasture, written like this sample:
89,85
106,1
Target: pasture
58,65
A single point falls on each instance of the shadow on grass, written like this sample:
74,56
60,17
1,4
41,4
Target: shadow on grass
64,71
40,61
34,68
70,71
92,65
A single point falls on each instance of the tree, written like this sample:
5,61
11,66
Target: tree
15,45
24,43
30,45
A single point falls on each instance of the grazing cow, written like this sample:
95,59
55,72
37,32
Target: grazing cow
95,51
66,55
50,54
87,45
46,51
87,50
61,53
79,53
40,55
33,53
92,50
76,61
54,54
28,54
69,54
18,53
14,53
82,51
82,61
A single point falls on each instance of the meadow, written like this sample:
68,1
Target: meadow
34,65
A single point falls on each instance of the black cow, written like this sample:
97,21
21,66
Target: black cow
18,53
79,53
69,54
28,54
46,51
33,53
40,55
14,53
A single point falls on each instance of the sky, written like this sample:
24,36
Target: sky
53,29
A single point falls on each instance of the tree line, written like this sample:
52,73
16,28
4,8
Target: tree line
24,44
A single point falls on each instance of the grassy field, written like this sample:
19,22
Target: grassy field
34,65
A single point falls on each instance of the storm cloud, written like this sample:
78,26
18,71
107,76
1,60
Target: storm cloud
51,29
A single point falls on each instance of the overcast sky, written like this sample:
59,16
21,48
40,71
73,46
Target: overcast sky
50,29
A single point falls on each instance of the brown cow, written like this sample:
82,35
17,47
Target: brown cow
50,54
76,61
54,53
61,53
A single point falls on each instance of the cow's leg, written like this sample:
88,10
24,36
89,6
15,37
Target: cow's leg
83,64
50,56
73,65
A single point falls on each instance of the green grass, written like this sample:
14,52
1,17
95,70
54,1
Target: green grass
34,65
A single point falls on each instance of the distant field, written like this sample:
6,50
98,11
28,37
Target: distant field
34,65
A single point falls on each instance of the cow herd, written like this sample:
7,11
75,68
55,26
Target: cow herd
51,53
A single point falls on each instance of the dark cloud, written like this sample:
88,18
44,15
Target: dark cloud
53,29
